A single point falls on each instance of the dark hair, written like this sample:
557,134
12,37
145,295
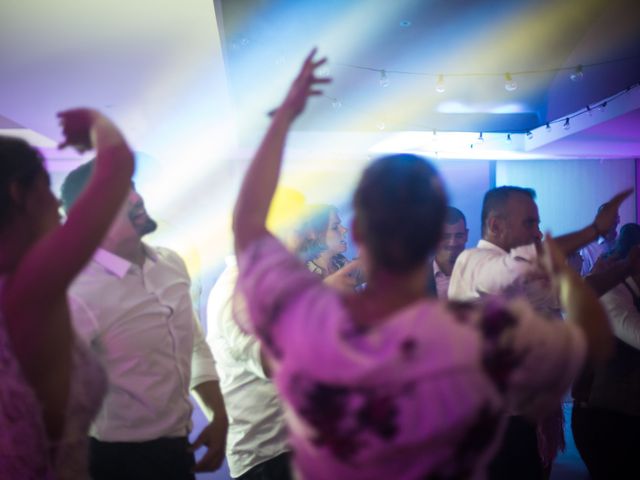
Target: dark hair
628,238
74,184
496,199
19,163
453,216
400,208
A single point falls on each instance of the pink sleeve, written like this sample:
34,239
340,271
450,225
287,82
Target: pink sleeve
271,279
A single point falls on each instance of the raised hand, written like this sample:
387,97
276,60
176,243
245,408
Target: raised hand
552,260
346,279
305,85
608,215
76,128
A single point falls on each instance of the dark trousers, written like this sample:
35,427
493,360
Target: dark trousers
607,442
518,457
164,458
277,468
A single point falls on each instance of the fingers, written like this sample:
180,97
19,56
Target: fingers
199,441
310,56
209,462
556,259
620,197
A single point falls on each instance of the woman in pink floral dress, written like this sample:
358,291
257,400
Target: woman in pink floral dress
388,383
50,386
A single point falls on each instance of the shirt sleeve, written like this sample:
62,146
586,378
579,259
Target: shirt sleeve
480,272
532,359
224,336
623,315
203,365
271,280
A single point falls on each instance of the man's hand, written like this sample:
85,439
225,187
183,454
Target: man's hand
608,215
214,438
346,279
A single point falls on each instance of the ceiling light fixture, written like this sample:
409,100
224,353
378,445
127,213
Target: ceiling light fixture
509,83
577,75
384,79
440,84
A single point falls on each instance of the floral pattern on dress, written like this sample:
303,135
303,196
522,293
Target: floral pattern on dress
342,415
24,446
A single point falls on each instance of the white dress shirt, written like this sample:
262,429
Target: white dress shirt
442,281
489,270
257,430
623,315
590,255
141,324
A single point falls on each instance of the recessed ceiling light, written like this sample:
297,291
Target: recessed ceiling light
405,23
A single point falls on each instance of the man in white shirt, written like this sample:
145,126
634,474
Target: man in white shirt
257,445
454,240
132,306
505,263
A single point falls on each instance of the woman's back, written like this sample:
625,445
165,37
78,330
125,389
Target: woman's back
420,392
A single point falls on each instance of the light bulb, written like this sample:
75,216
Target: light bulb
509,83
567,124
384,79
440,84
577,75
323,71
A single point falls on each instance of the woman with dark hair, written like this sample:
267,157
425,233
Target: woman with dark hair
388,383
50,386
606,417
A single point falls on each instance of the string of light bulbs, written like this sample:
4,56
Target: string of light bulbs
510,84
564,120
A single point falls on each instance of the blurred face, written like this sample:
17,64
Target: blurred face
336,235
454,241
521,222
138,216
133,219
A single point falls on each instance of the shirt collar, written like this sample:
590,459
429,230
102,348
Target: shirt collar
116,264
489,246
437,270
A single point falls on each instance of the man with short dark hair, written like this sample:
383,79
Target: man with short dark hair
132,306
454,240
505,262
